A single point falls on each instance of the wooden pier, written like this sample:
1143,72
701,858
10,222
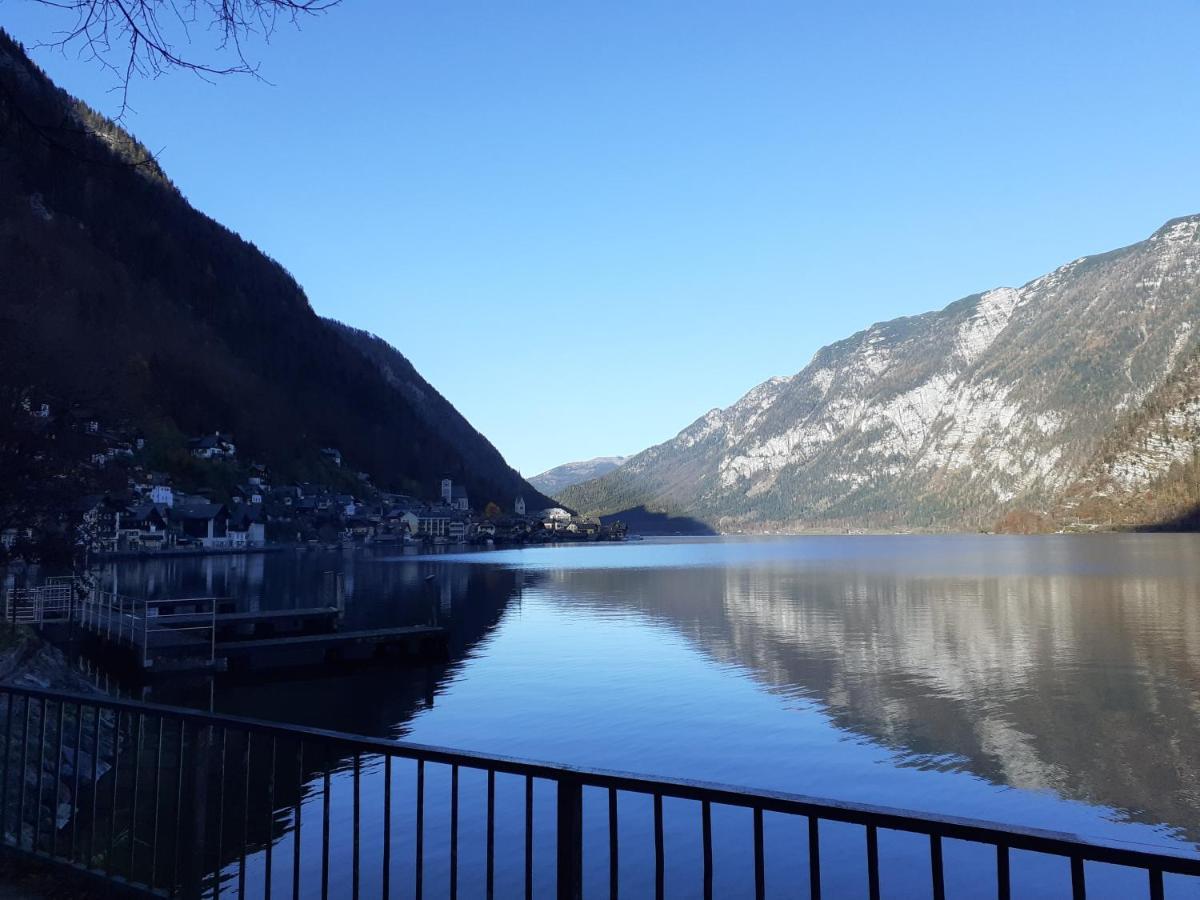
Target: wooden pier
410,641
196,634
264,622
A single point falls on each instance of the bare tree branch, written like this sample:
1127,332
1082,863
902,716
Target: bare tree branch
142,38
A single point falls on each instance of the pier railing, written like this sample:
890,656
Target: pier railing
173,802
156,631
49,602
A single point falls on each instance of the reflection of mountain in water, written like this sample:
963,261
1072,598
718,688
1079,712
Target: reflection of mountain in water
1086,686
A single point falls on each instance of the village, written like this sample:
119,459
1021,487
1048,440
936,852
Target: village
147,512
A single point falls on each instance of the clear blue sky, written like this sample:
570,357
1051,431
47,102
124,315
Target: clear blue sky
587,224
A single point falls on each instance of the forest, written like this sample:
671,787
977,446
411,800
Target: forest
118,296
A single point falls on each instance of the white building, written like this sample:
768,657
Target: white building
455,496
519,506
433,524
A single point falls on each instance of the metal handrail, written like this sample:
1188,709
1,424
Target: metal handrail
571,779
125,620
36,605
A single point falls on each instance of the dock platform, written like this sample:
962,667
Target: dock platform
167,636
263,623
340,646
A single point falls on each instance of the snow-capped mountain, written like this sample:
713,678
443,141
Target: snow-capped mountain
561,477
1001,401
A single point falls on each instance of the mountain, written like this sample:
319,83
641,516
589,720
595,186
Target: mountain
1027,404
1147,472
116,294
439,416
554,480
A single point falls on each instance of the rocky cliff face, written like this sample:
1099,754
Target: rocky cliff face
1001,400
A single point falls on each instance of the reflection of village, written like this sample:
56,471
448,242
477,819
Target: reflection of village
155,518
372,588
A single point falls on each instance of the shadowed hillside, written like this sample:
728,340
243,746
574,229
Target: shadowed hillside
116,293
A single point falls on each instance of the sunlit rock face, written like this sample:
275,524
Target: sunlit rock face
1000,400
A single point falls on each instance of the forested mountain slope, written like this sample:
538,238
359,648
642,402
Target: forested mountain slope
116,293
1003,401
438,415
1146,474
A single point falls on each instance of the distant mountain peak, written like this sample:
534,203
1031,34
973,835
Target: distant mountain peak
561,477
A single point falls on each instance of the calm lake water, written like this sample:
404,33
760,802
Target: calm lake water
1051,682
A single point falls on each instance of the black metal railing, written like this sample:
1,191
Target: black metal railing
174,802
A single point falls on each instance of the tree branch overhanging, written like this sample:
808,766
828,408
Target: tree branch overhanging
146,38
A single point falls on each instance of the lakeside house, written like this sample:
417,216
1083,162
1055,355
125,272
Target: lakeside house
205,523
246,528
555,519
145,527
442,523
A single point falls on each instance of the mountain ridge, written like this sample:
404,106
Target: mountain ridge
563,476
947,419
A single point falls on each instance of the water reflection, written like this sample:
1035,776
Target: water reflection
1050,682
1082,684
377,591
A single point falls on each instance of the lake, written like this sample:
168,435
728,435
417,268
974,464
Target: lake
1052,682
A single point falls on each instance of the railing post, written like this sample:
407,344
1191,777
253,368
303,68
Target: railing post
192,826
570,839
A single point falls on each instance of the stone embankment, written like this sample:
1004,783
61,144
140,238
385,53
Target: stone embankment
29,661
